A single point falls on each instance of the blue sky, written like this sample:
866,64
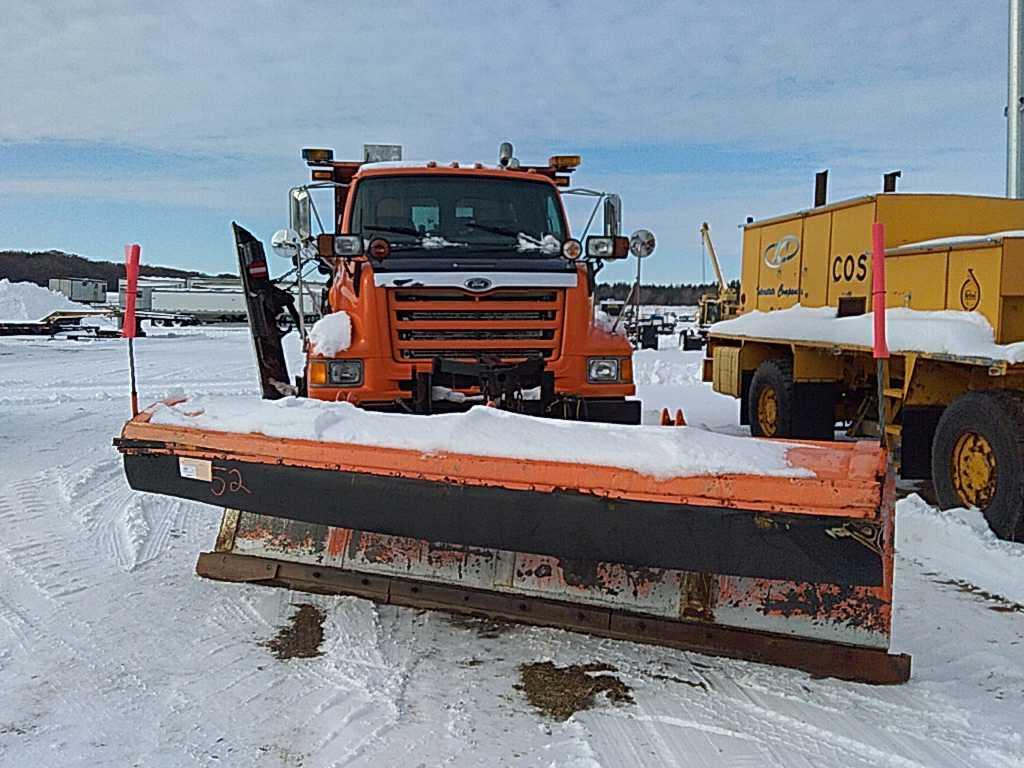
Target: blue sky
161,123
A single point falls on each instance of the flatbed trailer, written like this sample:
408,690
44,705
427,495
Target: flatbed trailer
951,404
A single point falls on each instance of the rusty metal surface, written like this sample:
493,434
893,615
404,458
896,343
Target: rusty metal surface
868,665
849,615
854,615
648,590
275,537
415,558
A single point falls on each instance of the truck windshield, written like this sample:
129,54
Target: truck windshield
472,213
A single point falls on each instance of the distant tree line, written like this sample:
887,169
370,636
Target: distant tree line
39,266
671,295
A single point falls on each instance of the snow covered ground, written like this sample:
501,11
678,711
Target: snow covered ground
113,653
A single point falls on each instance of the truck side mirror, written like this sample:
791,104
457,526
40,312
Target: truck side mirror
612,215
299,212
286,244
641,243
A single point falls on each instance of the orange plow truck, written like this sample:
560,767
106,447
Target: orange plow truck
778,552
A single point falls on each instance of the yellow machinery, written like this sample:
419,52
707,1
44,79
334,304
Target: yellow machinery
955,416
723,304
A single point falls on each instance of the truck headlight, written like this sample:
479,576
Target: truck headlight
345,373
602,370
348,246
607,248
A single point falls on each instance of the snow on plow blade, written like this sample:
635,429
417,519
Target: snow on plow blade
795,571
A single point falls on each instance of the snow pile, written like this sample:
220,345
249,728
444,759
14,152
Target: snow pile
959,543
939,242
549,244
415,164
654,451
332,333
20,302
945,332
433,242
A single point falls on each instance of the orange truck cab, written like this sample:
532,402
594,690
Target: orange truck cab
461,285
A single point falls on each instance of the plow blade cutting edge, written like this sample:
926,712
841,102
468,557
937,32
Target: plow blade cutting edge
793,571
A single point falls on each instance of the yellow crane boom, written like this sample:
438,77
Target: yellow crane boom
723,287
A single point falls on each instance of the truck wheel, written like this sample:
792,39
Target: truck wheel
773,410
978,458
771,399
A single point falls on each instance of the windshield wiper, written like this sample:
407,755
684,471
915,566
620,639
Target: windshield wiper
495,230
396,230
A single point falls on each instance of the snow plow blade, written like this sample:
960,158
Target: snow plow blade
793,571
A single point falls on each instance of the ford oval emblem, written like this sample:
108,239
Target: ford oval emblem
477,283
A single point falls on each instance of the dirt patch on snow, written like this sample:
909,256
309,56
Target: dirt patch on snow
301,638
484,626
1000,603
673,679
561,692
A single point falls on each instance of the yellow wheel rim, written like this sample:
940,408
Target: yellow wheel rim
768,411
974,470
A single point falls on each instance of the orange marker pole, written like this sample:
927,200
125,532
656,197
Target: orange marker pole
880,346
129,326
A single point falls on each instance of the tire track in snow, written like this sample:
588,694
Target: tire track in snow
18,625
28,513
133,528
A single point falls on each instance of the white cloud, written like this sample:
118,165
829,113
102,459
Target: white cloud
266,77
860,87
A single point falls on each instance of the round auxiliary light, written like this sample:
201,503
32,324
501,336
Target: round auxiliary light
571,249
380,248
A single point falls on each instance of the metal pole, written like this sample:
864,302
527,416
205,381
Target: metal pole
636,315
131,369
1015,103
298,283
626,303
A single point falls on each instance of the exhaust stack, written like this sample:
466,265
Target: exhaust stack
1015,104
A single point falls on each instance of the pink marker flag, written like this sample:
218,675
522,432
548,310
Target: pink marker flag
131,268
881,347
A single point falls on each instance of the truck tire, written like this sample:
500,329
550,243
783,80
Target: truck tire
778,407
978,458
772,399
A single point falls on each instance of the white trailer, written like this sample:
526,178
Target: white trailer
84,290
208,300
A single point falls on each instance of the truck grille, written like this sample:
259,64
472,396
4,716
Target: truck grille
507,324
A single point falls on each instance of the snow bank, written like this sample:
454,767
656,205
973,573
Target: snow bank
655,451
28,302
944,332
939,242
332,333
959,544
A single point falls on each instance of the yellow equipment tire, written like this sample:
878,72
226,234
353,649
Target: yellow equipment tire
778,407
771,399
978,458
